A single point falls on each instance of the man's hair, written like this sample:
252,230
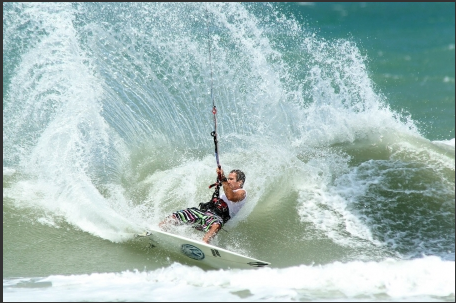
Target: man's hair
240,176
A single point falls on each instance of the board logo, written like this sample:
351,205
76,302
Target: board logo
215,253
258,264
192,252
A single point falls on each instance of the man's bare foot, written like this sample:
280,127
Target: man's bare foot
165,224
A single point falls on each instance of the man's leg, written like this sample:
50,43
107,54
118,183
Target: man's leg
213,230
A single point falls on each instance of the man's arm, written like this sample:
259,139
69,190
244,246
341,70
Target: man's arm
234,196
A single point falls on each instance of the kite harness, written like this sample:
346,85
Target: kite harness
216,205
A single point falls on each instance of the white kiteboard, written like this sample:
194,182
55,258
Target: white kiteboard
207,254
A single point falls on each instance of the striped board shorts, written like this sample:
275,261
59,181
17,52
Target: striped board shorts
193,215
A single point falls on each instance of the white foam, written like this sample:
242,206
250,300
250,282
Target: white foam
447,142
388,280
8,171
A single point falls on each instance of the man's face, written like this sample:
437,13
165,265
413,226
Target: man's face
232,181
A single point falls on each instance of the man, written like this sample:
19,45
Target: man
212,216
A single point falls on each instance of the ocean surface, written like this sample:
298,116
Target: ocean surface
341,115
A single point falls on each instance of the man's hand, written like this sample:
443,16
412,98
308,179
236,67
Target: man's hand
220,173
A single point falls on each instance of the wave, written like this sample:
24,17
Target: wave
107,121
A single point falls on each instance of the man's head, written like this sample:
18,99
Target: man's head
239,175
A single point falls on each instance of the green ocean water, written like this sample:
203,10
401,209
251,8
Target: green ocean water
409,49
341,115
